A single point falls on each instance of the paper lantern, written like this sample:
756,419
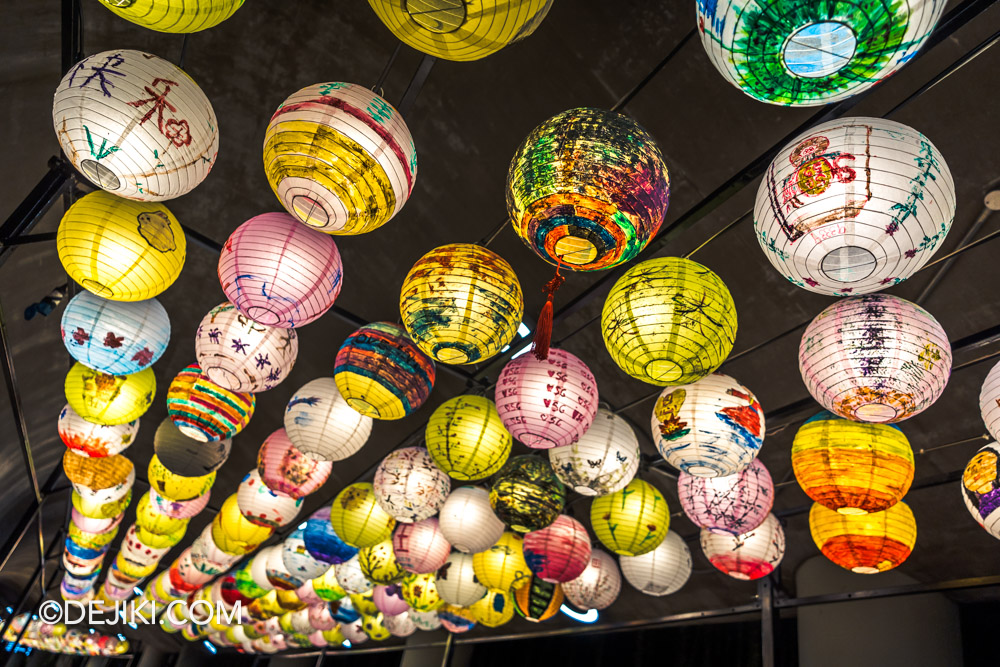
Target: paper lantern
421,593
258,568
320,617
461,303
526,494
186,456
751,555
279,574
466,438
96,509
174,15
159,541
90,475
875,358
632,521
669,321
340,158
322,425
147,518
424,620
358,518
374,627
263,507
420,547
864,543
800,53
322,542
457,583
90,439
602,461
378,563
235,535
662,571
467,521
502,566
114,337
389,600
351,578
109,399
538,600
287,470
326,587
297,558
408,485
989,401
559,552
90,540
732,504
494,609
455,619
334,637
94,525
599,584
587,189
133,547
203,410
853,206
852,467
364,603
399,625
981,488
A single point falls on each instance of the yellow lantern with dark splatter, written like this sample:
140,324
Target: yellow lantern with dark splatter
421,593
174,16
357,517
632,521
109,399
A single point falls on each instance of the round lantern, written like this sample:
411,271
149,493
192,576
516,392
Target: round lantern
800,53
147,518
461,303
467,521
502,566
322,425
424,620
297,558
114,337
599,584
602,461
179,509
340,158
420,547
864,543
233,534
97,509
90,439
94,525
109,399
538,600
853,206
467,439
382,373
358,518
526,494
378,563
732,504
107,478
420,592
263,507
494,609
399,625
559,552
374,627
351,578
587,189
751,555
457,583
203,410
327,588
989,401
174,15
185,456
389,600
287,470
875,358
409,486
669,321
981,488
662,571
158,541
90,540
852,467
711,428
322,542
136,125
364,603
455,620
632,521
280,273
258,567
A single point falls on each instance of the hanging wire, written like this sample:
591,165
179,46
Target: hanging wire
653,72
720,233
493,235
377,88
184,46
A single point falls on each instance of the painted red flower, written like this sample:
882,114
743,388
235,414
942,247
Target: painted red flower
113,341
80,336
178,132
143,356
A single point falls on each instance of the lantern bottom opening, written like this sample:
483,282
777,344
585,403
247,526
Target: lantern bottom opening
263,315
450,354
664,370
863,569
310,211
575,250
97,288
819,49
851,511
875,412
848,264
585,490
100,175
364,407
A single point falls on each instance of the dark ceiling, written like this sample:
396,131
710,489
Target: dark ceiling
466,123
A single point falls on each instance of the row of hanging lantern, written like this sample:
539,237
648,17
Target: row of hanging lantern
57,638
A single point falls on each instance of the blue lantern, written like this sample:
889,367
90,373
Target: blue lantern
322,542
115,337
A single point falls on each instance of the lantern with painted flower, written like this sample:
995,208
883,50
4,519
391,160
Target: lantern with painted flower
526,494
203,410
599,584
981,488
174,16
747,556
467,439
262,506
409,486
602,461
286,470
322,425
358,518
733,504
420,592
420,547
632,521
559,552
662,571
379,565
109,399
114,337
90,439
864,543
457,583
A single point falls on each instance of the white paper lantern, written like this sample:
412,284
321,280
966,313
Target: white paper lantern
298,559
424,620
408,485
135,125
751,555
420,547
467,521
981,488
90,439
732,504
115,337
400,625
280,574
354,631
875,358
602,461
599,584
263,507
351,578
457,583
258,567
662,571
322,425
989,402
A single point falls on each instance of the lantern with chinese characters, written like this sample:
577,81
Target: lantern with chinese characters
502,566
114,337
205,411
587,189
297,558
287,470
747,556
602,461
875,358
669,321
379,565
989,401
174,16
538,600
526,494
420,547
632,521
853,206
852,467
461,303
457,583
599,584
186,456
233,534
559,552
90,439
733,504
322,542
662,571
136,125
800,53
109,399
494,609
409,486
173,486
420,592
467,439
321,424
280,273
358,518
389,600
262,506
864,543
467,521
382,373
340,158
981,488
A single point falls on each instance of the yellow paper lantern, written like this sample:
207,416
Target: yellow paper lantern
461,303
135,569
289,600
98,509
175,487
120,249
378,562
156,541
109,399
502,567
493,609
334,637
148,517
91,540
632,521
864,543
358,519
174,15
233,533
421,593
374,627
669,321
538,600
364,604
466,438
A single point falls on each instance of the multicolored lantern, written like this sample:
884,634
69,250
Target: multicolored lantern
358,518
559,552
174,16
457,583
420,592
632,521
599,584
875,358
751,555
287,470
461,303
466,438
136,125
502,566
494,609
732,504
538,600
467,521
263,507
322,425
409,486
322,542
185,456
90,439
176,487
662,571
420,547
587,189
109,399
526,494
864,543
669,321
203,410
981,488
602,461
114,337
379,565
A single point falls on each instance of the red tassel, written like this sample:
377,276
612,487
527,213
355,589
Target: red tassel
543,332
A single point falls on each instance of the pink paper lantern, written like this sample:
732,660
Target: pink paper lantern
179,509
420,547
320,617
750,555
279,272
389,600
286,470
733,504
316,639
559,552
549,403
90,525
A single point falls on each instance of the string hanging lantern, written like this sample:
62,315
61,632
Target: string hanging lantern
602,461
864,543
186,456
174,16
114,337
109,399
263,507
287,470
599,584
632,521
875,358
747,556
989,401
136,125
420,547
340,158
852,467
203,410
538,600
662,571
559,552
457,583
466,438
382,373
420,592
853,206
494,609
981,488
733,504
358,518
322,542
379,565
408,485
800,53
502,566
90,439
461,303
467,521
280,273
526,494
322,425
669,321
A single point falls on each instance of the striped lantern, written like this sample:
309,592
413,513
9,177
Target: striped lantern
526,494
378,562
340,158
408,485
263,507
109,399
494,609
502,566
420,547
602,461
179,509
587,189
358,518
559,552
599,584
287,470
90,439
662,571
322,425
114,337
669,321
747,556
297,558
399,625
457,583
981,488
632,521
538,600
466,438
389,600
233,534
853,206
174,16
989,401
186,456
467,521
351,578
382,373
322,542
420,592
461,303
136,125
547,403
203,410
176,487
875,358
733,504
864,543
